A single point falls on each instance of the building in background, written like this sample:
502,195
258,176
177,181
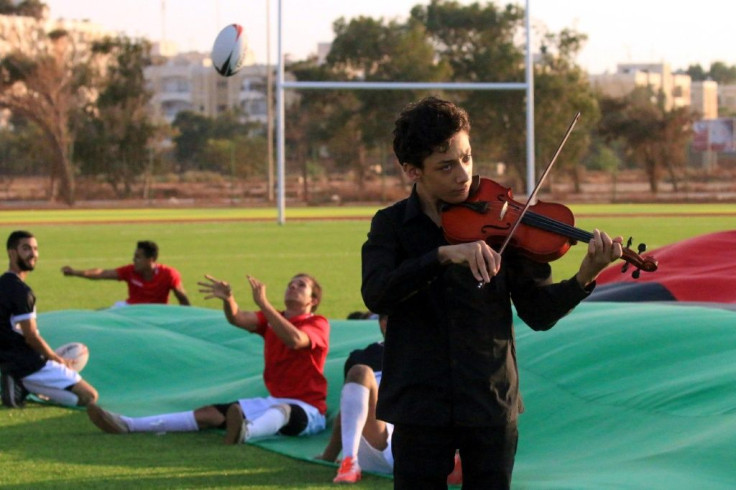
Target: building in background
727,99
188,82
675,87
705,99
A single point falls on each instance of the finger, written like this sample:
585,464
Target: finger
484,266
618,248
595,244
210,278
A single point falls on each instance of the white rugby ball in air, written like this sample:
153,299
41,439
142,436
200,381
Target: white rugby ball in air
228,52
77,352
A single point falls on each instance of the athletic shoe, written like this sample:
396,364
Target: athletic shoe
109,422
13,392
236,425
349,471
456,477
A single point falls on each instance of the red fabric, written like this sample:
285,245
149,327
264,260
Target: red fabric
299,374
702,268
154,291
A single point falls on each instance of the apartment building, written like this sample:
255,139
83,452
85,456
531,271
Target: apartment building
675,87
705,99
178,81
188,82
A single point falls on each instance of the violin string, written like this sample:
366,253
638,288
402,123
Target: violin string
549,224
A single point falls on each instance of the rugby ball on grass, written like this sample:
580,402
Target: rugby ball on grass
228,52
77,352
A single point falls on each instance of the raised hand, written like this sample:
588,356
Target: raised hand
215,288
259,291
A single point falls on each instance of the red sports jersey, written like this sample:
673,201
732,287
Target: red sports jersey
298,374
154,291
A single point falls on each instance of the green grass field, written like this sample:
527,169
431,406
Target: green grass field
49,447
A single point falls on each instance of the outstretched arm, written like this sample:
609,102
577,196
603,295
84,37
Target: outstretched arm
90,273
215,288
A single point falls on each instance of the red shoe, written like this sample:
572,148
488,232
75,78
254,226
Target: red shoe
456,477
349,471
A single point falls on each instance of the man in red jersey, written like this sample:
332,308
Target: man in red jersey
295,349
148,281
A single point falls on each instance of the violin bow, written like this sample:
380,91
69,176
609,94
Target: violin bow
541,180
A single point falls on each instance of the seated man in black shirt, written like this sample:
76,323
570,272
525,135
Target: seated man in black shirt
27,362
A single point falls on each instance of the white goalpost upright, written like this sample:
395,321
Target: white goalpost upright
281,85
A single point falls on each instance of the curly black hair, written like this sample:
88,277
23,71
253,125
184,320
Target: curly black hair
426,126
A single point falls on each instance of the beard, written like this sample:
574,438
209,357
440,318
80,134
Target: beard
24,265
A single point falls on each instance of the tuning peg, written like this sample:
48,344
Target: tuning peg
642,248
636,273
628,242
624,267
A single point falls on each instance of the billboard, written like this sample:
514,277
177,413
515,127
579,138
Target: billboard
714,135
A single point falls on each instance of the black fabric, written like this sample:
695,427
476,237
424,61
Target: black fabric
222,407
297,421
424,456
16,298
448,340
371,356
631,292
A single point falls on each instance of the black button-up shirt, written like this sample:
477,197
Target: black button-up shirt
449,354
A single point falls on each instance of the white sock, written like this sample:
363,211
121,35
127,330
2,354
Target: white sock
267,424
168,422
353,414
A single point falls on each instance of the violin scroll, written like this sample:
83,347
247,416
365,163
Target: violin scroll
647,264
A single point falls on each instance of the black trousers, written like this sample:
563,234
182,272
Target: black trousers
424,456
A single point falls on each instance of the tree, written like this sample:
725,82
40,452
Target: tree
238,156
652,137
479,42
115,143
193,130
562,89
718,72
722,73
19,152
696,73
373,50
26,8
47,87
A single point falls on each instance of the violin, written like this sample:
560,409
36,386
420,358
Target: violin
545,232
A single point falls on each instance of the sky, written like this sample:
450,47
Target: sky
625,31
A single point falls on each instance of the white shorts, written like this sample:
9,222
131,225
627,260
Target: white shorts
255,407
51,375
376,460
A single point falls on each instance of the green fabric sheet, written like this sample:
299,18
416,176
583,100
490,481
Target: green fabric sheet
617,395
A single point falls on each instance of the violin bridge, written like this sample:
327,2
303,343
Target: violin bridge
504,209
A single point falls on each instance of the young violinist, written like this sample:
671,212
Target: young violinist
450,379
